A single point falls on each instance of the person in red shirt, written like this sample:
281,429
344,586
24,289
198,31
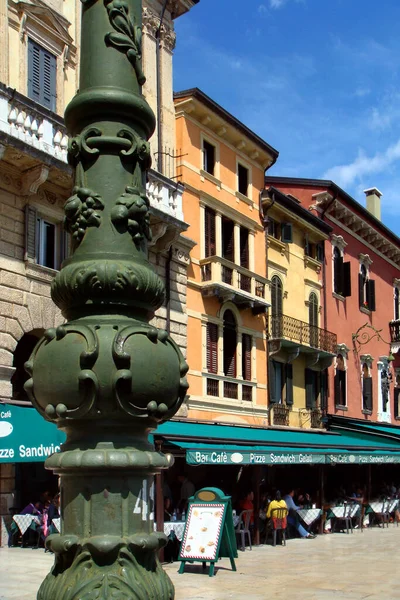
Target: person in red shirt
247,504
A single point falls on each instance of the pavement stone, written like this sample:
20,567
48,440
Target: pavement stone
358,566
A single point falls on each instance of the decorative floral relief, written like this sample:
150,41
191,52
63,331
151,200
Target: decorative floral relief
127,37
82,211
131,213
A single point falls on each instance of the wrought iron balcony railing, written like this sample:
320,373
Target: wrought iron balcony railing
280,415
395,331
287,328
316,418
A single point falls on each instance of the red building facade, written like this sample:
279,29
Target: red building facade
360,300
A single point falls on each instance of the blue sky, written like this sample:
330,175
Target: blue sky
317,79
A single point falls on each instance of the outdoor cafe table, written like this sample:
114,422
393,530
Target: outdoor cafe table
57,524
377,507
309,515
178,527
25,521
338,511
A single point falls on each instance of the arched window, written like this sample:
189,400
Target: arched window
363,278
276,296
230,341
337,271
313,319
366,387
340,381
396,304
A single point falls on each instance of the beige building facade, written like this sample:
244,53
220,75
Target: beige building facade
39,74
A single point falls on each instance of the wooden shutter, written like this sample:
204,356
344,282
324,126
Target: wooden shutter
338,274
289,384
276,297
367,393
320,252
33,71
346,291
324,390
361,289
244,247
212,348
246,356
230,342
310,388
228,244
287,233
48,72
30,233
371,294
209,232
337,388
272,382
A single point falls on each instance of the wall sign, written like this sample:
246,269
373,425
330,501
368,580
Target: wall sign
201,457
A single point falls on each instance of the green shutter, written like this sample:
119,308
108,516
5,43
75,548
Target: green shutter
287,233
346,287
371,294
367,393
310,391
30,233
272,382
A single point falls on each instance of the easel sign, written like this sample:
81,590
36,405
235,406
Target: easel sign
209,533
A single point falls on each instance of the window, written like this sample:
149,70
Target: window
276,307
366,388
209,233
274,229
228,241
243,180
41,75
230,341
287,233
366,289
340,381
280,382
246,357
45,241
313,310
209,154
312,388
341,274
315,251
385,381
320,252
212,348
396,303
244,247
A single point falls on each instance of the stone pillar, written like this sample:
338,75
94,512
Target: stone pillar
107,377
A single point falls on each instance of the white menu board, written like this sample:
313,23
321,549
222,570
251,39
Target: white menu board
202,532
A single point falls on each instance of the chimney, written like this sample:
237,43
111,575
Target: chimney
374,202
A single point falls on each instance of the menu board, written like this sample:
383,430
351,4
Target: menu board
203,531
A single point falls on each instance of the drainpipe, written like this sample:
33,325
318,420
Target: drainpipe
159,91
168,291
265,220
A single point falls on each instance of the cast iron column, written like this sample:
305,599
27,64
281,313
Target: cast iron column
107,377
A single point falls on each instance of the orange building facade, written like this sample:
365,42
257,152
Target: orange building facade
222,166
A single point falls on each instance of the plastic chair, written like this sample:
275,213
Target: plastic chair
243,528
346,518
278,523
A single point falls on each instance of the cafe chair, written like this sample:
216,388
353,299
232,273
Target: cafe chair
243,528
345,521
278,522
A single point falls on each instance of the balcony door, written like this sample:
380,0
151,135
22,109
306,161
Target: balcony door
276,307
313,309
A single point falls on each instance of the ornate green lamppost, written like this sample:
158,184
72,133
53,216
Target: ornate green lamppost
107,377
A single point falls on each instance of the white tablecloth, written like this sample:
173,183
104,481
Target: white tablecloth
309,515
380,505
57,524
338,511
178,527
24,522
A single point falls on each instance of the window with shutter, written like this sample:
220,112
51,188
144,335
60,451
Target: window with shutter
272,382
230,342
346,291
340,382
244,247
212,348
324,390
361,289
42,69
246,356
396,304
228,244
367,393
313,309
310,377
287,233
289,384
320,252
209,157
209,232
30,233
337,271
370,293
276,296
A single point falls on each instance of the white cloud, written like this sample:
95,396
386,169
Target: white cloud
363,166
262,10
276,3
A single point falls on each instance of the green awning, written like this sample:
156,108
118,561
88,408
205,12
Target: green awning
216,444
25,436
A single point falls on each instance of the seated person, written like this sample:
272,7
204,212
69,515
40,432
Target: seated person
293,518
278,502
167,509
247,504
53,512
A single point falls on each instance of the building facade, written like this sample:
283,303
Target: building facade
222,167
42,38
361,296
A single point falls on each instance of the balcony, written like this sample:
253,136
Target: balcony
295,336
395,331
316,418
280,415
228,281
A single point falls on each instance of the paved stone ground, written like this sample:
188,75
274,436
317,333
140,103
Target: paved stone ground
362,566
